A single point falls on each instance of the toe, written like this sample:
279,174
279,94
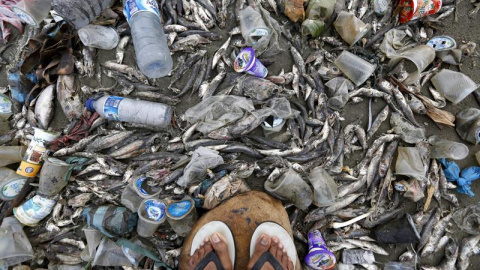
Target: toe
285,259
262,245
201,250
279,252
274,246
290,265
219,244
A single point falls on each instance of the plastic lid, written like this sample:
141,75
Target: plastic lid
89,104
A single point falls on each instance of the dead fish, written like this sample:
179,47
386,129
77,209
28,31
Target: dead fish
108,141
451,255
125,69
88,60
468,247
368,246
220,52
321,213
122,45
79,146
381,117
44,106
175,27
68,98
298,60
428,228
213,85
189,43
437,233
416,105
80,200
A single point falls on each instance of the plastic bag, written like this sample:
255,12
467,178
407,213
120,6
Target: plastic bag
410,163
110,220
338,92
463,179
218,111
408,132
468,218
202,159
224,189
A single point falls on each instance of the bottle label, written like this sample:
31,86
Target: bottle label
5,105
259,32
110,108
132,7
35,209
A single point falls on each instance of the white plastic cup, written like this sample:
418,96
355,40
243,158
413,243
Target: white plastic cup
416,60
97,36
354,67
33,12
151,214
455,86
447,149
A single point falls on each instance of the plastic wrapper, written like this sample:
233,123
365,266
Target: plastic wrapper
291,188
416,60
218,111
202,159
14,245
408,132
468,218
350,28
394,41
463,178
110,220
338,92
467,125
325,190
455,86
224,189
410,163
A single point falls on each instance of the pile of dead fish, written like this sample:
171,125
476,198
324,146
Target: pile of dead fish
287,128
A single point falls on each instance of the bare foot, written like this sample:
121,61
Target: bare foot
218,244
273,245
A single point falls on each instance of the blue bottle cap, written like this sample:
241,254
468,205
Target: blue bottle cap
89,104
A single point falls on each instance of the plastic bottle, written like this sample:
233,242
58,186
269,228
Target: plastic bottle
80,13
254,30
131,110
98,36
447,149
151,49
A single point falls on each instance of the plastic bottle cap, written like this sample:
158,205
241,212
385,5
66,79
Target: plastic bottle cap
89,104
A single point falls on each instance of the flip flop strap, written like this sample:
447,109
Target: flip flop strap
267,257
210,257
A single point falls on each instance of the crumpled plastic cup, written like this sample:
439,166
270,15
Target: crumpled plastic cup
291,188
354,67
455,86
93,237
416,60
151,214
338,92
14,245
467,124
350,28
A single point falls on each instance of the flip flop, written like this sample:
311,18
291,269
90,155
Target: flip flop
272,229
205,232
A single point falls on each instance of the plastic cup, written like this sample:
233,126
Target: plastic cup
291,187
152,214
143,189
14,245
132,256
455,86
248,63
36,151
94,237
354,67
182,215
350,28
34,210
319,257
414,9
32,12
54,176
401,231
447,149
416,60
11,154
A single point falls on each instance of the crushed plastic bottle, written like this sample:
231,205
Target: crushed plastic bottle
254,30
157,115
75,11
151,49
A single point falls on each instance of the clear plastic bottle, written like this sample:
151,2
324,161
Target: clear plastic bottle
151,49
132,111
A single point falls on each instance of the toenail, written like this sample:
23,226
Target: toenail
264,241
215,238
275,240
280,246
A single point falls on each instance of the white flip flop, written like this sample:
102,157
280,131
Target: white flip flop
210,228
273,229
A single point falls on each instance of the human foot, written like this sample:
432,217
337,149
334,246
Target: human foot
215,243
277,250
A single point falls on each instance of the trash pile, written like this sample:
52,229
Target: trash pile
123,182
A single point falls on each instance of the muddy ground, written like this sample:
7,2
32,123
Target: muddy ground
466,29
